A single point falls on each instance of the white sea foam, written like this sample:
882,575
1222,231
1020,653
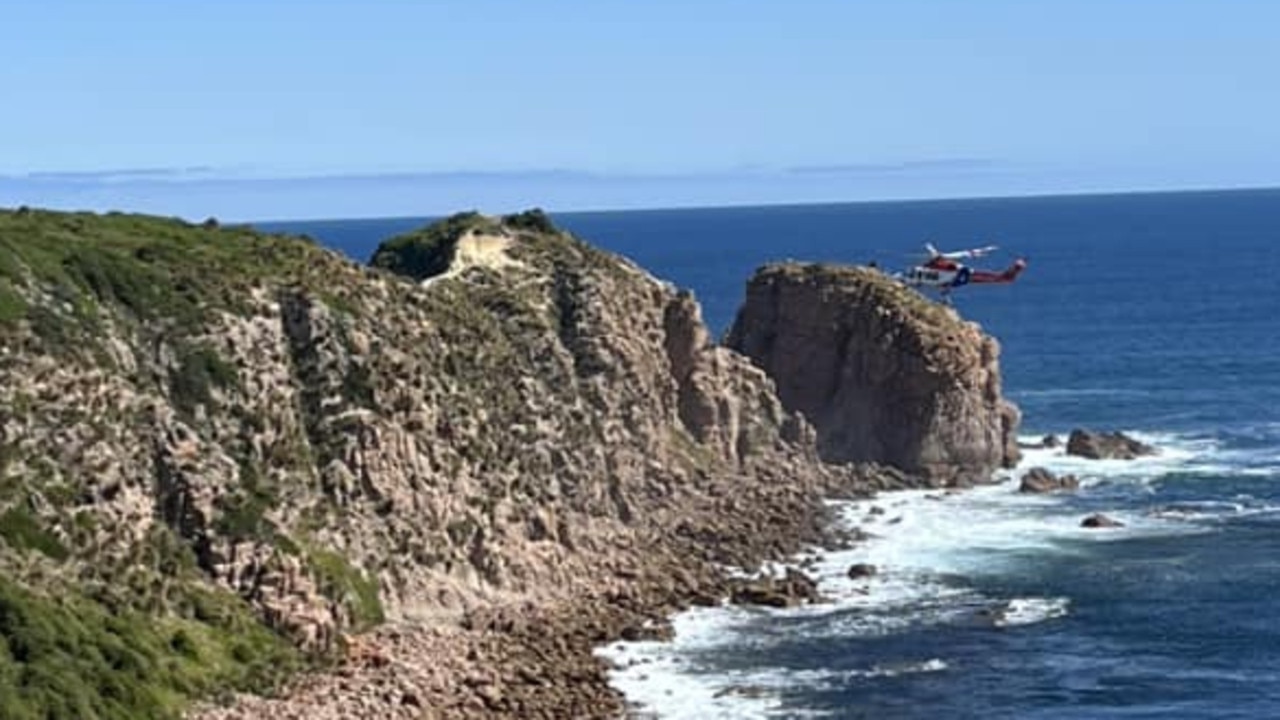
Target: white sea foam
667,679
924,545
1260,471
1028,611
1173,452
901,668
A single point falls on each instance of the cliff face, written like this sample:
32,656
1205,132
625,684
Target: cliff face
215,430
883,374
222,453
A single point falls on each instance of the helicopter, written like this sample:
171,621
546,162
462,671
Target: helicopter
945,272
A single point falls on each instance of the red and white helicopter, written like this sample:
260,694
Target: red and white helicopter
942,270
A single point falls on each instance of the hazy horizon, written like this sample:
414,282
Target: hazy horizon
317,199
289,109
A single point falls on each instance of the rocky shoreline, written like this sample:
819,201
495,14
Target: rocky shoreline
453,470
538,660
536,657
527,659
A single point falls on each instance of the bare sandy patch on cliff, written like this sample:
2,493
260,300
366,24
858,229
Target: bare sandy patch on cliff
478,250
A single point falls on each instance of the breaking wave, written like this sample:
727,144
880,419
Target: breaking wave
929,549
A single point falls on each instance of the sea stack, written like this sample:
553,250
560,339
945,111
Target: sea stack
884,374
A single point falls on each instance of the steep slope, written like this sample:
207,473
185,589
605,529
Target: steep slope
883,374
251,447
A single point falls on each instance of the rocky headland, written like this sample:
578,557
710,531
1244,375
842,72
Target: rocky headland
244,476
884,374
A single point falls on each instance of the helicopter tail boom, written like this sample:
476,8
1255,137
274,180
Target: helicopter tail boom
1008,276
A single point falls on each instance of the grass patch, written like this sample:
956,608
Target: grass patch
339,303
243,512
342,583
200,369
58,333
13,307
152,268
22,530
66,656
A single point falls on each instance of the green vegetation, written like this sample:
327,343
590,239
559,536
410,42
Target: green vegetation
243,512
140,632
90,635
428,251
63,655
138,637
12,306
342,583
534,220
22,530
153,269
200,370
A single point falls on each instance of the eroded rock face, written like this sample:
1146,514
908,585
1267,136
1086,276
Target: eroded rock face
882,374
1103,446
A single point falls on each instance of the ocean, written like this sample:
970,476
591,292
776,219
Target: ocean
1154,314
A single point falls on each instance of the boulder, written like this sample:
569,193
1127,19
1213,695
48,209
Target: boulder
795,588
1106,446
1040,480
744,691
858,571
1098,520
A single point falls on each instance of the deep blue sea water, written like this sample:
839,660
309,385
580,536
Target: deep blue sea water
1150,313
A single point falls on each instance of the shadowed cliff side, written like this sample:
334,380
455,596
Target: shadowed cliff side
883,374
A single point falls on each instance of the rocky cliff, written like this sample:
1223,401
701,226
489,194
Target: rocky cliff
882,373
227,457
222,453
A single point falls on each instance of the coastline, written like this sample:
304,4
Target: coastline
1010,522
753,487
933,551
343,453
542,659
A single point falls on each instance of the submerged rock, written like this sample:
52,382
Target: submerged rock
858,571
795,588
1106,446
1098,520
744,691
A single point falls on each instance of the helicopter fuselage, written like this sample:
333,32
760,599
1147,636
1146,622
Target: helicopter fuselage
939,272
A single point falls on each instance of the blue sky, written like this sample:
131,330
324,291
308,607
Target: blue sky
290,109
